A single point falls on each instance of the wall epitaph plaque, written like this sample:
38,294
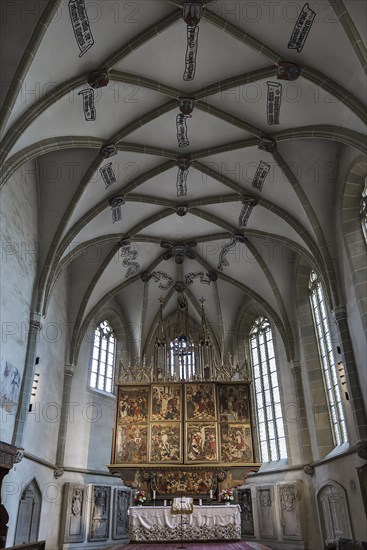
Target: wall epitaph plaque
100,513
266,511
74,513
120,519
290,513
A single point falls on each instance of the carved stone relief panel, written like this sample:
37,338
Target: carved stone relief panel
334,513
100,513
73,514
266,511
247,515
290,497
120,519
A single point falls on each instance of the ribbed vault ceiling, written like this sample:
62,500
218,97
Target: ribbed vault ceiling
142,44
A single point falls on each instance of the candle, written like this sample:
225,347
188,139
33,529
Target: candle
154,494
200,501
211,493
164,503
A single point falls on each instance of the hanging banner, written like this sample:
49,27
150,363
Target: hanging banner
191,52
301,28
115,204
260,175
88,104
163,279
129,255
247,208
181,182
108,174
274,101
81,27
203,277
222,256
181,128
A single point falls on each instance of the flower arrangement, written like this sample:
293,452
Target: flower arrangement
140,498
226,495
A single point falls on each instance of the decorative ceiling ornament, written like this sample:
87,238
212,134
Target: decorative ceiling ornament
186,106
240,238
98,78
116,203
181,210
89,108
248,202
183,164
288,71
223,253
191,13
268,145
108,151
301,28
260,175
129,255
146,276
274,99
125,241
179,286
178,250
81,27
107,174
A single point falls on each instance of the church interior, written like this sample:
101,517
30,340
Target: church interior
183,273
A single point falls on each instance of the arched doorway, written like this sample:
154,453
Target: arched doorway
29,514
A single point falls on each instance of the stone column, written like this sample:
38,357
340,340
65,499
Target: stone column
35,327
351,373
305,441
68,377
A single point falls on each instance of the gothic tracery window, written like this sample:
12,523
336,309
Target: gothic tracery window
182,357
326,353
269,413
103,358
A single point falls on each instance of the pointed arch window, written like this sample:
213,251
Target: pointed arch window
182,358
103,358
326,353
267,395
363,209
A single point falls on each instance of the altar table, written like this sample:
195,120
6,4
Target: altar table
158,524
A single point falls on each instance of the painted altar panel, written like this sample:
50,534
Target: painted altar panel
235,444
201,442
200,402
165,442
131,444
166,402
234,403
193,482
133,404
183,423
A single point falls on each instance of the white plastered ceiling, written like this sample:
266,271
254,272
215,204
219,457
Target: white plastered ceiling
321,115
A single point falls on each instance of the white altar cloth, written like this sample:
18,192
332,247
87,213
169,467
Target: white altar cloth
148,523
